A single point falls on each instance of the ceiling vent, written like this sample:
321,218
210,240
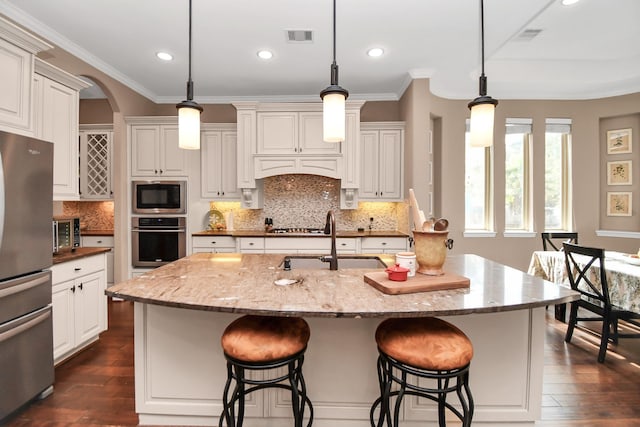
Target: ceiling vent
527,35
299,36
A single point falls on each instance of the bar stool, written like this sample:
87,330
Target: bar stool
426,348
260,343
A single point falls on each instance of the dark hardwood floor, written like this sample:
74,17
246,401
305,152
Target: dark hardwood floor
96,387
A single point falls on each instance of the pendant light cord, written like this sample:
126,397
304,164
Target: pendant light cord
334,65
482,31
190,82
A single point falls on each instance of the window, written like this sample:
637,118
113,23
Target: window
517,211
477,206
557,175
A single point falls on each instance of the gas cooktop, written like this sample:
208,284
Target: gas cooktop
296,231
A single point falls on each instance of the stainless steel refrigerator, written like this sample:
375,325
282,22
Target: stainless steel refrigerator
26,210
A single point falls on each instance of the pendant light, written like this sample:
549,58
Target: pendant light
483,107
333,100
189,111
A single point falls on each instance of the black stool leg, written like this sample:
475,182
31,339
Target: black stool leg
442,399
296,404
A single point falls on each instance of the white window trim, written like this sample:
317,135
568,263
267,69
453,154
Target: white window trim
479,233
616,233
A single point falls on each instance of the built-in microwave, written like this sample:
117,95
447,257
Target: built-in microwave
66,234
162,197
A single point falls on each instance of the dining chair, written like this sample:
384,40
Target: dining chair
587,275
553,240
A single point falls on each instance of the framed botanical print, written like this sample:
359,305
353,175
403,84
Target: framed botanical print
619,173
619,203
619,141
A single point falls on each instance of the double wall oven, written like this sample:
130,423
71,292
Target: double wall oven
158,234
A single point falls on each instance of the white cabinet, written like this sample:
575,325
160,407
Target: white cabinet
308,245
155,151
17,50
213,244
383,245
96,148
293,133
218,164
382,154
251,245
79,304
102,242
56,111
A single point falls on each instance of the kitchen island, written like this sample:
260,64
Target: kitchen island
182,308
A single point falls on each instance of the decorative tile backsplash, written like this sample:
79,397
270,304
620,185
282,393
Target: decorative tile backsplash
93,215
302,201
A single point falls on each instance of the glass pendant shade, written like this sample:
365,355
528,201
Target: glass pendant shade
333,117
481,124
189,125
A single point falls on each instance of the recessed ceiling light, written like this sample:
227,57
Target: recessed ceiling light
164,56
375,52
265,54
569,2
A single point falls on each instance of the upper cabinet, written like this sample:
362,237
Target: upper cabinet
55,112
154,148
293,133
17,53
96,147
218,163
382,150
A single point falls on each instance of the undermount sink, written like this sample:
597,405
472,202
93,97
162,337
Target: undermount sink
316,262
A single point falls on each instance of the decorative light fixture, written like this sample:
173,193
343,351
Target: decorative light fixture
333,100
483,107
189,111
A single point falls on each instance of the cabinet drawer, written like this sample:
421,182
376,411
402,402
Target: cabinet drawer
77,268
214,242
384,243
251,243
98,241
344,244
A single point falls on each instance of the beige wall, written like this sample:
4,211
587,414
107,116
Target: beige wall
95,111
448,117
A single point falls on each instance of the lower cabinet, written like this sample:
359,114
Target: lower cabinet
308,245
102,242
213,244
383,245
79,304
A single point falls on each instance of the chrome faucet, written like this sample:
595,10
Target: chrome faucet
330,228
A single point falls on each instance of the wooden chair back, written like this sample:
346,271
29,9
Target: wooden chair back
553,241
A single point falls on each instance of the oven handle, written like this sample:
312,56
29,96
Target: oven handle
158,230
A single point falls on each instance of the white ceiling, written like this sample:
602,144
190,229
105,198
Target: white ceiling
587,50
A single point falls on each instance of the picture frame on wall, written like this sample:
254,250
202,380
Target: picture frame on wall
620,172
619,141
619,203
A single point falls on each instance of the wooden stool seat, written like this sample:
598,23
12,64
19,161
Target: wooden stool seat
426,343
260,339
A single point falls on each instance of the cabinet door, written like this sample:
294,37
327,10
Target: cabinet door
60,126
173,159
369,187
390,169
63,323
88,299
210,163
16,71
229,168
277,133
310,138
145,156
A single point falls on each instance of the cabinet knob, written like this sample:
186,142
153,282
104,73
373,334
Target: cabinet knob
214,242
155,171
73,289
99,241
80,286
343,244
250,243
77,269
161,171
384,243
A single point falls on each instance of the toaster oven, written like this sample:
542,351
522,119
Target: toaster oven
66,234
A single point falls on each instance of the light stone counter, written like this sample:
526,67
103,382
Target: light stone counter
182,308
244,283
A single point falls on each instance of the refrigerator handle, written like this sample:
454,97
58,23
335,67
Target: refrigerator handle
2,199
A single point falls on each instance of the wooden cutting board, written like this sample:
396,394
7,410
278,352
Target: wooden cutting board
417,283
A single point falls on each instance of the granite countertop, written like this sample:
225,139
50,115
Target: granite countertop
244,283
96,232
262,233
77,253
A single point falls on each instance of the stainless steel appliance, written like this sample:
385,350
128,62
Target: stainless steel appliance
159,197
66,234
26,336
156,241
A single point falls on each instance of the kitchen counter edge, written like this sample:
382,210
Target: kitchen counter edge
78,253
262,233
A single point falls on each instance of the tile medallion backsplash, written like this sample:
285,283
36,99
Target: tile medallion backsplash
302,201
